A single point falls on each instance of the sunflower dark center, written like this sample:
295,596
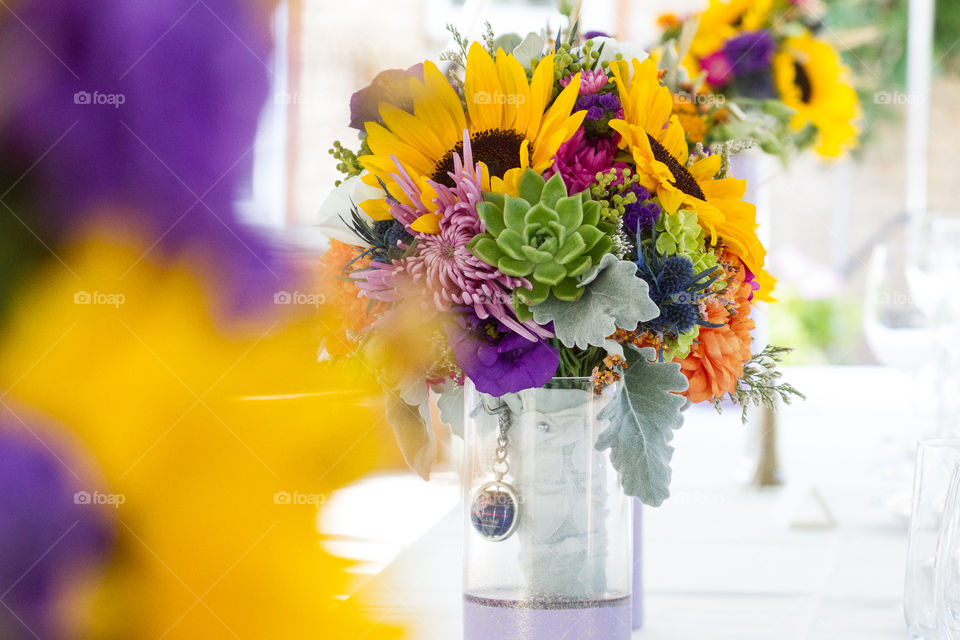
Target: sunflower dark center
802,80
497,148
683,179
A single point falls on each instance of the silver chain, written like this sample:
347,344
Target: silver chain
500,465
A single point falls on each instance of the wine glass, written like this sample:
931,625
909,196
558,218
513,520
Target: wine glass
947,564
935,461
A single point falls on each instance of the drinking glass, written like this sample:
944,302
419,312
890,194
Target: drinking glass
935,462
947,564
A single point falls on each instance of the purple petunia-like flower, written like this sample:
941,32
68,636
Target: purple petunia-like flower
441,262
640,214
749,52
581,158
497,360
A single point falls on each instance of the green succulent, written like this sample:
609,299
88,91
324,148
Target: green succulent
544,235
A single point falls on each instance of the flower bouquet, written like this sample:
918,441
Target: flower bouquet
757,71
527,235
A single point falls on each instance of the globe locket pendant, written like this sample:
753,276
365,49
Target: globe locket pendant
494,511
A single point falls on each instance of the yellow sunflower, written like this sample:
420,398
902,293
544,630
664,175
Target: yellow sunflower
656,140
509,125
812,80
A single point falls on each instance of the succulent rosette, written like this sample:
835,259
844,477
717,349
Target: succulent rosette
758,71
541,216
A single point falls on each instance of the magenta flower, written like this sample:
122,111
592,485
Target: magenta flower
590,81
718,68
581,158
441,263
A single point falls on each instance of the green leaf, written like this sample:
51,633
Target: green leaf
591,212
579,267
492,217
572,248
553,190
539,214
485,248
513,267
511,243
549,273
514,209
642,420
533,296
450,403
531,186
570,210
613,297
535,255
591,236
567,291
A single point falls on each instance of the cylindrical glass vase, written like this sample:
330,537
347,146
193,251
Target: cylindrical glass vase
548,542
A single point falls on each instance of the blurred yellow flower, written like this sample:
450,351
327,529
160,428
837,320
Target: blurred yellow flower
221,439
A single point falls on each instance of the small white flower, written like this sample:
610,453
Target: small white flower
337,206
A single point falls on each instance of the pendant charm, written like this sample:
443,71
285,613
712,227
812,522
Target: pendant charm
494,511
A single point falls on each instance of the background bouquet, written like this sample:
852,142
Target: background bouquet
535,213
759,71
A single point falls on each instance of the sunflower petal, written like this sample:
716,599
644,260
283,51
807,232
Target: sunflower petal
482,90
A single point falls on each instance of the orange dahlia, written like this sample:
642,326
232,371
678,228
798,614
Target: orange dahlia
715,362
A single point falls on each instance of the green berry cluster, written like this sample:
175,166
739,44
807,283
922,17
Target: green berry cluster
613,191
348,163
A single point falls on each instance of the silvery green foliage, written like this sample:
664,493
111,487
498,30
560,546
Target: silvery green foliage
642,420
613,297
531,47
450,403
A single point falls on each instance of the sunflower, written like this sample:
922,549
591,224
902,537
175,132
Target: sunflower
812,80
507,117
657,142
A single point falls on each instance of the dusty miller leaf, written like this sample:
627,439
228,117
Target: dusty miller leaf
613,297
642,420
408,412
450,403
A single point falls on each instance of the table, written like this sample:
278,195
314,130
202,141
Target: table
722,561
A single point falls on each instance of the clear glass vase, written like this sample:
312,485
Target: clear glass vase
547,543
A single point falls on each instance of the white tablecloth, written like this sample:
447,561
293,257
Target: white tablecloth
721,560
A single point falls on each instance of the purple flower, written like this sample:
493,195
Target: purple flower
589,35
581,158
47,536
497,360
391,86
147,110
749,52
598,105
640,214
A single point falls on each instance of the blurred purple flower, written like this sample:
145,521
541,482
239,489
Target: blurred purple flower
146,109
497,360
392,86
48,538
589,35
749,52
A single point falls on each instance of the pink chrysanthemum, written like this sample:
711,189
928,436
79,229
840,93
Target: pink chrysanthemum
590,81
441,262
581,158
